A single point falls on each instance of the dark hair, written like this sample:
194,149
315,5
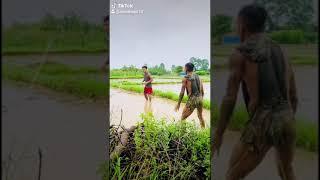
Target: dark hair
189,67
145,67
254,17
106,19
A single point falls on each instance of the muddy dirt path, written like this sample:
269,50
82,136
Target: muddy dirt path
133,105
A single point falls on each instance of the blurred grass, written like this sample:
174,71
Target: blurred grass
70,34
304,54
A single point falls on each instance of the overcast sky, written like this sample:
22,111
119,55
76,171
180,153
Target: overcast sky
169,32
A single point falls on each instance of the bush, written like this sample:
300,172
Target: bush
288,36
311,37
159,150
202,73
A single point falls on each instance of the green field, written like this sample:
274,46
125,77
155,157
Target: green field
304,54
69,34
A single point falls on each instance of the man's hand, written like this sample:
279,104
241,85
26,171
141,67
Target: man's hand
217,141
177,107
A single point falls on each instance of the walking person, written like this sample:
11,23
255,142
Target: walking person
192,84
148,91
267,80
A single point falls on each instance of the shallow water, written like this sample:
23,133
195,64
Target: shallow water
133,105
71,133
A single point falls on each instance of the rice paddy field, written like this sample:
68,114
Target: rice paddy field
86,82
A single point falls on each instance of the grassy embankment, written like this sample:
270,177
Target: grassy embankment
69,34
161,150
87,82
298,54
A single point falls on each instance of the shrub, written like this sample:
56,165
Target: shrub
288,36
160,150
201,73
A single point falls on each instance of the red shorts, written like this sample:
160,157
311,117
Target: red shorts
148,90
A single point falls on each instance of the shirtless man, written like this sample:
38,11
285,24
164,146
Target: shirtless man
147,80
269,91
194,87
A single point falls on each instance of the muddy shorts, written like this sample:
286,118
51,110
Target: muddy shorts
269,126
194,102
148,90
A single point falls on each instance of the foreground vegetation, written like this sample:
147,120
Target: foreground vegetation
159,150
69,34
87,82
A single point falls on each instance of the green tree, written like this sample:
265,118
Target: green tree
178,69
200,64
293,14
173,68
162,67
220,25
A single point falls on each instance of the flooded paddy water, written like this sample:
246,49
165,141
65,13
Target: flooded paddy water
306,80
133,105
70,132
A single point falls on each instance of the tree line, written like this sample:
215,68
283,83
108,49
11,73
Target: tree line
290,21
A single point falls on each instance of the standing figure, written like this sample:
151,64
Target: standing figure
269,91
194,87
147,82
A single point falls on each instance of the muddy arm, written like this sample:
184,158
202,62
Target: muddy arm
183,88
202,90
292,90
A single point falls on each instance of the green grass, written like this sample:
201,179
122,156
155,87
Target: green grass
162,150
33,38
63,82
163,94
205,78
297,54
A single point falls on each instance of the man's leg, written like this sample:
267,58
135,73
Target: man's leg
187,111
284,158
150,97
200,116
243,160
145,96
285,151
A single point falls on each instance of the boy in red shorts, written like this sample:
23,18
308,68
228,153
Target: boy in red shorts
147,83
